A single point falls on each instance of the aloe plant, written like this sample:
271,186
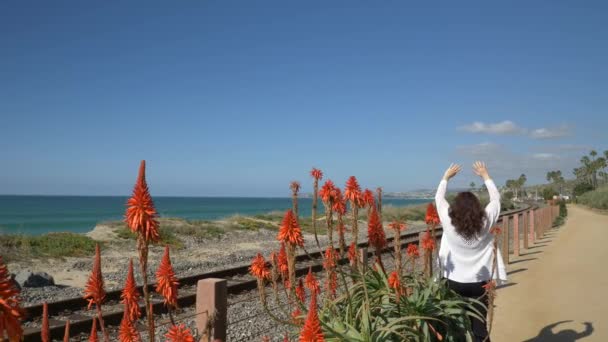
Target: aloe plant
372,312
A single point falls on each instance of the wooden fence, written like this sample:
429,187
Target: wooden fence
520,228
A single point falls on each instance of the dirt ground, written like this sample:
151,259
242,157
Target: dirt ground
557,289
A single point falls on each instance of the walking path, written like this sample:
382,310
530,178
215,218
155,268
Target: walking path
558,287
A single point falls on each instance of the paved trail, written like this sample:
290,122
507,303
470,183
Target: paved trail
559,289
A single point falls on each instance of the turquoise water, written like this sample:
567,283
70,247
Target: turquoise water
42,214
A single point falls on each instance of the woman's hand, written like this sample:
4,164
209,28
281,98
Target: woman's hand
480,169
451,171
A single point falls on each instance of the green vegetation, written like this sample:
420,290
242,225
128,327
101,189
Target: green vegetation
407,214
517,185
581,188
563,213
172,228
595,199
593,169
52,245
373,311
167,236
249,223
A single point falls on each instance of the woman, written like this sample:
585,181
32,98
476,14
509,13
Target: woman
466,251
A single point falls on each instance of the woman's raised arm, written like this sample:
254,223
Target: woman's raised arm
493,208
440,201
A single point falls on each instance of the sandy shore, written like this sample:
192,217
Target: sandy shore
558,285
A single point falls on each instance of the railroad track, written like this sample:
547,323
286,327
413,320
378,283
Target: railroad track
239,281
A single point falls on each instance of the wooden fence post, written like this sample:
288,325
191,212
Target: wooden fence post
526,221
532,226
211,308
516,234
541,223
505,239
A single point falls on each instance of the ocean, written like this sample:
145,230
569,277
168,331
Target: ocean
36,215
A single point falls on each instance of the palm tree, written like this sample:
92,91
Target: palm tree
556,178
520,183
472,186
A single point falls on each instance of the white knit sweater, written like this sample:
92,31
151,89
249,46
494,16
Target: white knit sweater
469,261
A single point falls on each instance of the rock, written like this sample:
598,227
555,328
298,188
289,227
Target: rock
15,283
38,279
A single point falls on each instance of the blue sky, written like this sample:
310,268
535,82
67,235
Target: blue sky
239,98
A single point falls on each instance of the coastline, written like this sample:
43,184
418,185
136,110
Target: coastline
197,247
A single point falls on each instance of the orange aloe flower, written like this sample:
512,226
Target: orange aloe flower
393,281
265,338
368,198
258,268
496,230
126,331
352,191
93,336
141,214
166,281
94,291
432,217
339,205
282,261
130,295
489,286
329,260
10,311
352,252
316,174
412,251
427,243
300,293
397,226
328,192
312,284
45,334
311,332
285,339
331,283
66,332
290,231
179,333
375,232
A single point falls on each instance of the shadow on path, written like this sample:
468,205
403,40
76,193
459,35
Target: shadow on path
568,335
539,246
535,252
517,271
505,285
521,260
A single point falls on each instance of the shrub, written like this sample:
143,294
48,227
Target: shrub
563,210
581,188
53,245
595,199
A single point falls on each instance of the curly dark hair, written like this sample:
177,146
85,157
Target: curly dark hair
467,215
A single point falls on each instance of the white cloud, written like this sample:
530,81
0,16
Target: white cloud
505,163
481,149
551,133
545,156
508,127
504,127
